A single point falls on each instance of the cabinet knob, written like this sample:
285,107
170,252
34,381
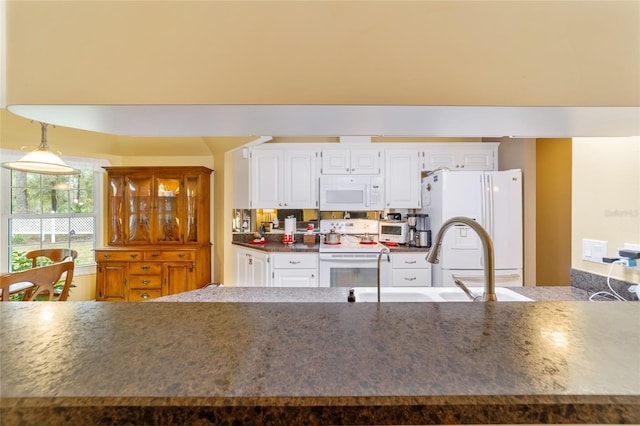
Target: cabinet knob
294,262
107,256
155,254
410,279
353,170
145,282
145,267
180,255
133,256
410,262
145,295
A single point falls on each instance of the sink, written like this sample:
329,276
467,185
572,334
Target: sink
431,294
393,294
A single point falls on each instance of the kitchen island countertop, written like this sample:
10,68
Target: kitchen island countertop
319,363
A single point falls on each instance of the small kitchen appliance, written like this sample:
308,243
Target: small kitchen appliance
289,229
423,230
412,233
393,231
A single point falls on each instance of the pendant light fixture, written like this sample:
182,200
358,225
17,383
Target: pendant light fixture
42,160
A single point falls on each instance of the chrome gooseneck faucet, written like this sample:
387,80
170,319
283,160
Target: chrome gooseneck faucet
387,251
487,245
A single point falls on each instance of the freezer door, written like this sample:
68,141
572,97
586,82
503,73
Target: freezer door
503,215
462,196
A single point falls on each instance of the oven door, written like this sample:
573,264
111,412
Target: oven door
353,270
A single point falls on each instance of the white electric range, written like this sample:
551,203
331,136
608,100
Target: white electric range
353,262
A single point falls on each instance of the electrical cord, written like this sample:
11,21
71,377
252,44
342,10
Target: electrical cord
613,295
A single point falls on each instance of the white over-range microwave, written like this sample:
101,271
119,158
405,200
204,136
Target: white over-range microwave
351,192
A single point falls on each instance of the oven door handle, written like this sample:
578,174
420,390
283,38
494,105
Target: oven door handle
359,258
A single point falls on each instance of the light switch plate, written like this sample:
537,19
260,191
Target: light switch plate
593,250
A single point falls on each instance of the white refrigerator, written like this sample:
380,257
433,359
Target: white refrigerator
493,199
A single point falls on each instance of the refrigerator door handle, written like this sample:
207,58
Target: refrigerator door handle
490,223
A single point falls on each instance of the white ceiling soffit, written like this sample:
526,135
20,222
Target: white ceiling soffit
331,120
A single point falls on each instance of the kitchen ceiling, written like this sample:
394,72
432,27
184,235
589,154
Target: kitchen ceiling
332,120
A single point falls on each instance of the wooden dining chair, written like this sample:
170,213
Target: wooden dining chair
39,257
42,277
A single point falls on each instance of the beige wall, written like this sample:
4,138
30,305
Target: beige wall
606,199
346,52
521,154
553,211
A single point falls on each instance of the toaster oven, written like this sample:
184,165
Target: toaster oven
393,231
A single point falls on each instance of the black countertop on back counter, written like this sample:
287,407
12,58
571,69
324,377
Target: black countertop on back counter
275,245
319,363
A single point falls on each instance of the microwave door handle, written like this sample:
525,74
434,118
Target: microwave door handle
367,193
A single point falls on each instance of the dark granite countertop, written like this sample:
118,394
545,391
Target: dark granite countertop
319,363
274,245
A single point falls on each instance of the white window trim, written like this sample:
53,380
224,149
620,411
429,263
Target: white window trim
5,203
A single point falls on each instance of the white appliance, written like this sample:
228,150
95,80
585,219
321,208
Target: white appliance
353,262
351,192
493,199
393,231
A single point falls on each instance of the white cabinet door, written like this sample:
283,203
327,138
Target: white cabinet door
402,179
251,268
365,161
461,157
295,278
410,269
295,269
266,184
336,161
362,161
300,179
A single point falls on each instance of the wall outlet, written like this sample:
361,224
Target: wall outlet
593,250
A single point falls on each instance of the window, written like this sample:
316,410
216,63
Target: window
48,211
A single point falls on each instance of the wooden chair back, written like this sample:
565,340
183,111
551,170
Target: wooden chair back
54,254
44,277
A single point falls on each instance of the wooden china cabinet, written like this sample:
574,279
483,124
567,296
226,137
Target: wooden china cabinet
157,234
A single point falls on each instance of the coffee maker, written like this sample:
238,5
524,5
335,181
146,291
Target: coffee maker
423,230
411,222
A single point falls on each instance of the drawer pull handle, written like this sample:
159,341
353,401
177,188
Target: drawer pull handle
107,256
410,279
180,255
145,282
145,295
294,262
155,255
409,262
145,267
134,255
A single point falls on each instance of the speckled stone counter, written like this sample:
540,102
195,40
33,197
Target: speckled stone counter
319,363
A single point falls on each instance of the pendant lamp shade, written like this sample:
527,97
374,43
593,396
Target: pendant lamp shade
42,160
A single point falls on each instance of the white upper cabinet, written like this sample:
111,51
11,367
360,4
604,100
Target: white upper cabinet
402,178
356,161
454,156
284,178
266,181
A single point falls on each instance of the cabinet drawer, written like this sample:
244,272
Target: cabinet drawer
145,281
143,294
409,261
295,260
137,268
167,255
411,277
102,256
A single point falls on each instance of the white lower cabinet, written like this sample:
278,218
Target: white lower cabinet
251,268
295,270
410,269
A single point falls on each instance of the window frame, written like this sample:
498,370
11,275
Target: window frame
85,164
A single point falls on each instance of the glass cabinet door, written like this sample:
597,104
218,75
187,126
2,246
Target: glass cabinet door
193,203
168,210
139,209
115,209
